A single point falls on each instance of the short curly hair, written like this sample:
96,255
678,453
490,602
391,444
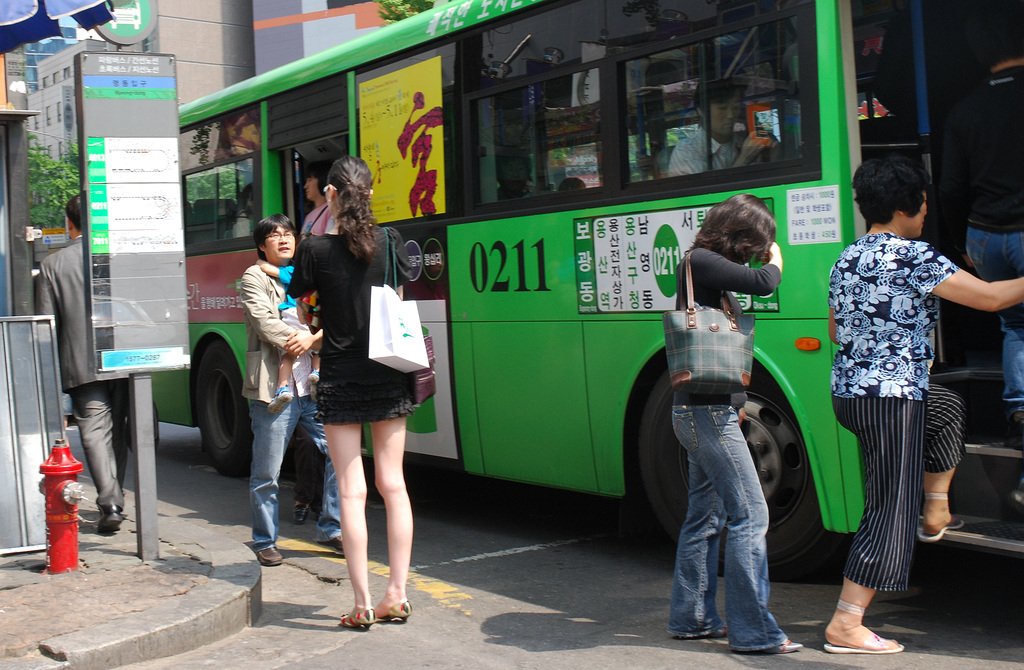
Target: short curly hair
740,228
884,186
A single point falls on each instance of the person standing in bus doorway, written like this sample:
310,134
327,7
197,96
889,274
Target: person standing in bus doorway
100,407
883,302
353,390
309,461
265,334
982,187
318,221
725,491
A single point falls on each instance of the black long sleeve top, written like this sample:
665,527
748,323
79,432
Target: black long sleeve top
982,172
713,274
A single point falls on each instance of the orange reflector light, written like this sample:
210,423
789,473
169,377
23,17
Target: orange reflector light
808,343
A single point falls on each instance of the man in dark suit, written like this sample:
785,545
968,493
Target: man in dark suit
100,406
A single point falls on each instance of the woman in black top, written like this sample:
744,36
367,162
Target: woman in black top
723,482
353,390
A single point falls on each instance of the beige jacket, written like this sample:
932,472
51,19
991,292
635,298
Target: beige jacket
265,333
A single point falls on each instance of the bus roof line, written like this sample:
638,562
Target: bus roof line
359,51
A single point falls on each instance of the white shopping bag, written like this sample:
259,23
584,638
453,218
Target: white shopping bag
396,337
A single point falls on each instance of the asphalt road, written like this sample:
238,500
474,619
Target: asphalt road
513,576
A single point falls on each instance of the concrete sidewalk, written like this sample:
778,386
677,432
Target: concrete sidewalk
117,609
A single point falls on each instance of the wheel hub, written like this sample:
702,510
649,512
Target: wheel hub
774,446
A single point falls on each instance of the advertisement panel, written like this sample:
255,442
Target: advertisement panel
400,126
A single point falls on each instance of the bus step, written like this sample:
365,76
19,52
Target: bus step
992,446
967,374
1002,537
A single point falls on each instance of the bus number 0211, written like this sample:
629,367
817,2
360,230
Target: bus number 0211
479,266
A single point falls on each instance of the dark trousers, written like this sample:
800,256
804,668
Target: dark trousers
309,470
101,412
891,434
945,429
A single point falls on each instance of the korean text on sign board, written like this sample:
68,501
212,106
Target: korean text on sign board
813,215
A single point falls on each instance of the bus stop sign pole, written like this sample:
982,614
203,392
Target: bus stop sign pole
134,243
145,465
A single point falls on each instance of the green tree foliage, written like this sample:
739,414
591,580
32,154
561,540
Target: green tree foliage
396,10
51,183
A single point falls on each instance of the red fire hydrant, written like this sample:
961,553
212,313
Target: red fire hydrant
62,492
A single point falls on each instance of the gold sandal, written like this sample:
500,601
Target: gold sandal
399,612
361,619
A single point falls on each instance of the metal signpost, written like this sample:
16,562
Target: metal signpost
134,245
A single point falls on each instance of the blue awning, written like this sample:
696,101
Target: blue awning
24,21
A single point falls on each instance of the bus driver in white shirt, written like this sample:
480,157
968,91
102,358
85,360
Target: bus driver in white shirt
727,147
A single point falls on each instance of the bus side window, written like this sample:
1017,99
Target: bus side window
539,139
726,102
220,202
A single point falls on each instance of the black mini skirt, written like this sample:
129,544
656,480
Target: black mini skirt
358,390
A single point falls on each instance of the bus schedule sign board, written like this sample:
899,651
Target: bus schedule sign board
627,262
134,244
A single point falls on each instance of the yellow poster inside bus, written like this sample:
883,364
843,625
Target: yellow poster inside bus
401,139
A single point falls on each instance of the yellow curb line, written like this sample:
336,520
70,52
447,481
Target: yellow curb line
445,594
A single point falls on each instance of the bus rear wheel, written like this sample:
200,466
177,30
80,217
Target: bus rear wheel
798,544
222,413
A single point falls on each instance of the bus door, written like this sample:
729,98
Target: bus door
911,70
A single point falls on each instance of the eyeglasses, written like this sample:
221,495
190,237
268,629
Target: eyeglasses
277,235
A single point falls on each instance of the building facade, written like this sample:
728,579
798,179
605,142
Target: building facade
212,41
287,30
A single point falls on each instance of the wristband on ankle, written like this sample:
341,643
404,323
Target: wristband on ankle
850,607
936,496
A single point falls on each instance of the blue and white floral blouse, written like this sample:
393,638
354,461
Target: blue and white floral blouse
880,290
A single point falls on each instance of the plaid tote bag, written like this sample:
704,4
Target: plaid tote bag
710,351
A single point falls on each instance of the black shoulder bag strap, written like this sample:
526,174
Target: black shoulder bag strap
390,260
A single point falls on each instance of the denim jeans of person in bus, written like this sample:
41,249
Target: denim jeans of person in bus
723,485
271,433
999,256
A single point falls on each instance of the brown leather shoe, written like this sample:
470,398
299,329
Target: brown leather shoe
334,543
269,556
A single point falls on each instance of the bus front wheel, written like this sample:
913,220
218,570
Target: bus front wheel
222,413
798,544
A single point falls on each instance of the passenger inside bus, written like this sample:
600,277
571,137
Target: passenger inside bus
722,137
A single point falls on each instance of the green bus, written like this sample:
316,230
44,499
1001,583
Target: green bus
548,162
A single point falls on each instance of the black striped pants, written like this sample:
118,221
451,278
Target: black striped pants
945,429
891,434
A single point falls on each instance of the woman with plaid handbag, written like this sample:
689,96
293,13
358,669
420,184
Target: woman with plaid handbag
724,488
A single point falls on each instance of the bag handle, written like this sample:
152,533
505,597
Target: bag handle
390,259
730,305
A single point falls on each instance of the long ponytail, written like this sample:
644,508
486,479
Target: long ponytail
351,179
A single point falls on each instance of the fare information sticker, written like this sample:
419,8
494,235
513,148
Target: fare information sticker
813,215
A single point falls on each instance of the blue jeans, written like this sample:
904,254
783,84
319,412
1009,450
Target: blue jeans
271,433
723,485
999,256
